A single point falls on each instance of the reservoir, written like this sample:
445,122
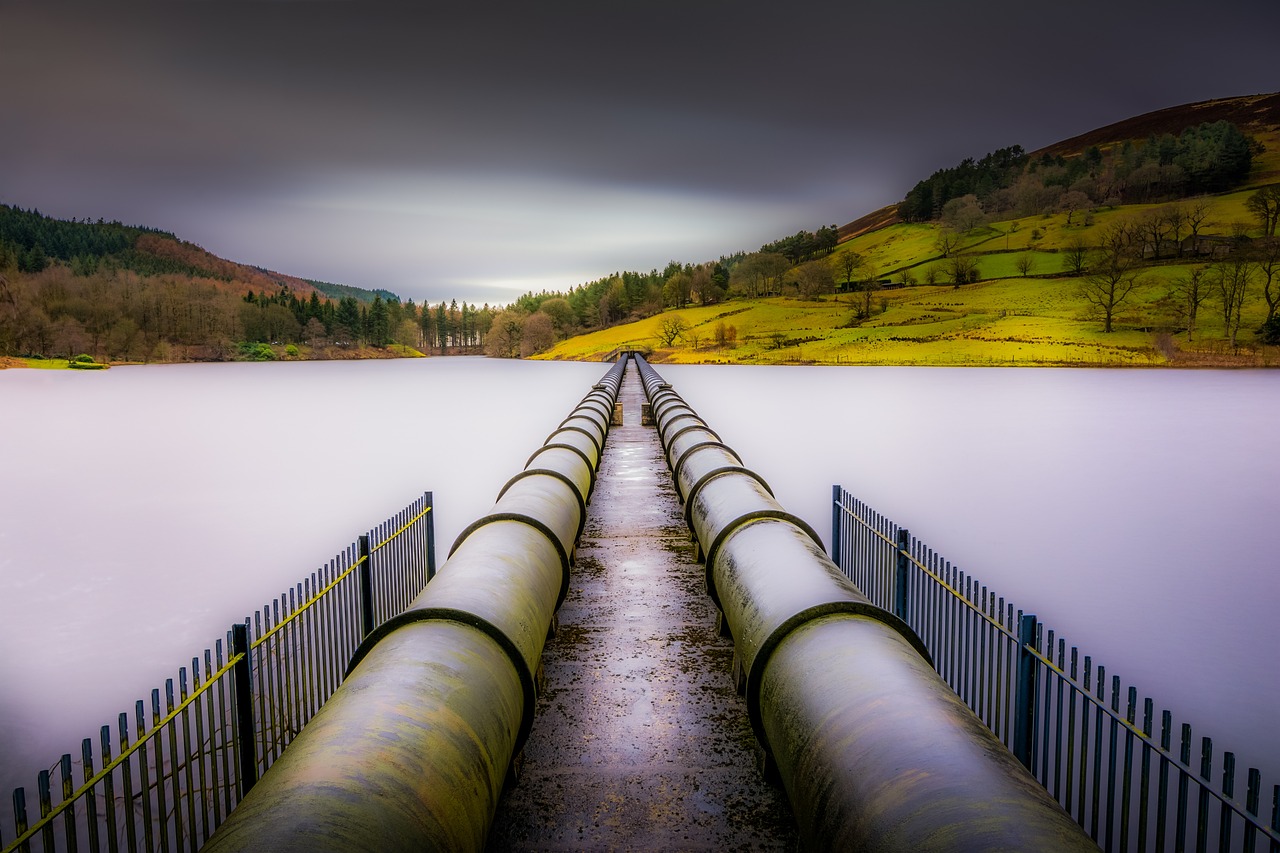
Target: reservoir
144,509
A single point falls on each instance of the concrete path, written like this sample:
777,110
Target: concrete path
640,741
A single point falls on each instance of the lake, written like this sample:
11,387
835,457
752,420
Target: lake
144,509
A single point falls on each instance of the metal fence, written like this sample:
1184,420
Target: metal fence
168,775
1083,736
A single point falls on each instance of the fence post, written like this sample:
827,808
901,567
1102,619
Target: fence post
1024,707
366,587
246,747
431,536
835,524
900,587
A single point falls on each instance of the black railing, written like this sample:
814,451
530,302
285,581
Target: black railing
1079,733
180,767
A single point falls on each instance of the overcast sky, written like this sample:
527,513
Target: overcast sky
490,149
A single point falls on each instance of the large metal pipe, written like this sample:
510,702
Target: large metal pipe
412,751
875,751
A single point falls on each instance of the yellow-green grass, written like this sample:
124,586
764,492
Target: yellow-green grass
46,363
1018,321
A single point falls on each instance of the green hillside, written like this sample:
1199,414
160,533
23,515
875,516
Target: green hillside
1201,273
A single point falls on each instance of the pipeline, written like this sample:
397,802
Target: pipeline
875,751
413,750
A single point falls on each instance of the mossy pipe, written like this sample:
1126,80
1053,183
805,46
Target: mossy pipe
679,439
569,462
504,555
410,753
577,439
542,501
770,577
698,461
878,754
727,499
412,750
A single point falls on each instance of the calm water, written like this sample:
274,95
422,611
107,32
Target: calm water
142,510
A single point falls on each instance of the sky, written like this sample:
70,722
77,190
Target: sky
480,151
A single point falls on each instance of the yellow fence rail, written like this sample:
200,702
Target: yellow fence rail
178,771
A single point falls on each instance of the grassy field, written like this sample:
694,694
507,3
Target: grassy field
1003,319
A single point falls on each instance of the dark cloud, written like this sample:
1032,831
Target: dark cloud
177,114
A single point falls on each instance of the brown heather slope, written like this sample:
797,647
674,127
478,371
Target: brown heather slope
223,274
1257,115
873,221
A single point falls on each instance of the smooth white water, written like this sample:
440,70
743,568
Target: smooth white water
142,510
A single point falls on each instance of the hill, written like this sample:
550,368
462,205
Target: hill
1020,284
123,292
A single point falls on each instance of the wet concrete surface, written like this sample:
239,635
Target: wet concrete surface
640,741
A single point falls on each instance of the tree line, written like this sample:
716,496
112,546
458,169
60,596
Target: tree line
1207,158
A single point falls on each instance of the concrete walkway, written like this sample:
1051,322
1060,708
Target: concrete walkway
640,741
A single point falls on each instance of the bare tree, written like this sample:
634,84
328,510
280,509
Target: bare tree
1233,276
1115,277
1152,229
1072,202
1267,256
1075,258
1197,213
1175,221
946,241
1024,263
1265,205
963,269
670,328
814,278
1192,290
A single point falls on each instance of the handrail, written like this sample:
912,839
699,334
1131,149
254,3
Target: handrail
200,691
125,754
1093,697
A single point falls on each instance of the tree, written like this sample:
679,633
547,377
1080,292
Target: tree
1265,205
1153,229
537,333
1196,214
946,241
1266,255
670,328
1192,290
963,214
1023,264
725,335
379,333
1072,202
963,269
814,279
1115,278
851,264
677,289
868,289
561,314
503,340
1075,258
1233,277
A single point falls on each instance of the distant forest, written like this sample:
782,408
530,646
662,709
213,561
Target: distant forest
1006,184
134,293
130,293
1212,157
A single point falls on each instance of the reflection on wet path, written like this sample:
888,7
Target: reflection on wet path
640,742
